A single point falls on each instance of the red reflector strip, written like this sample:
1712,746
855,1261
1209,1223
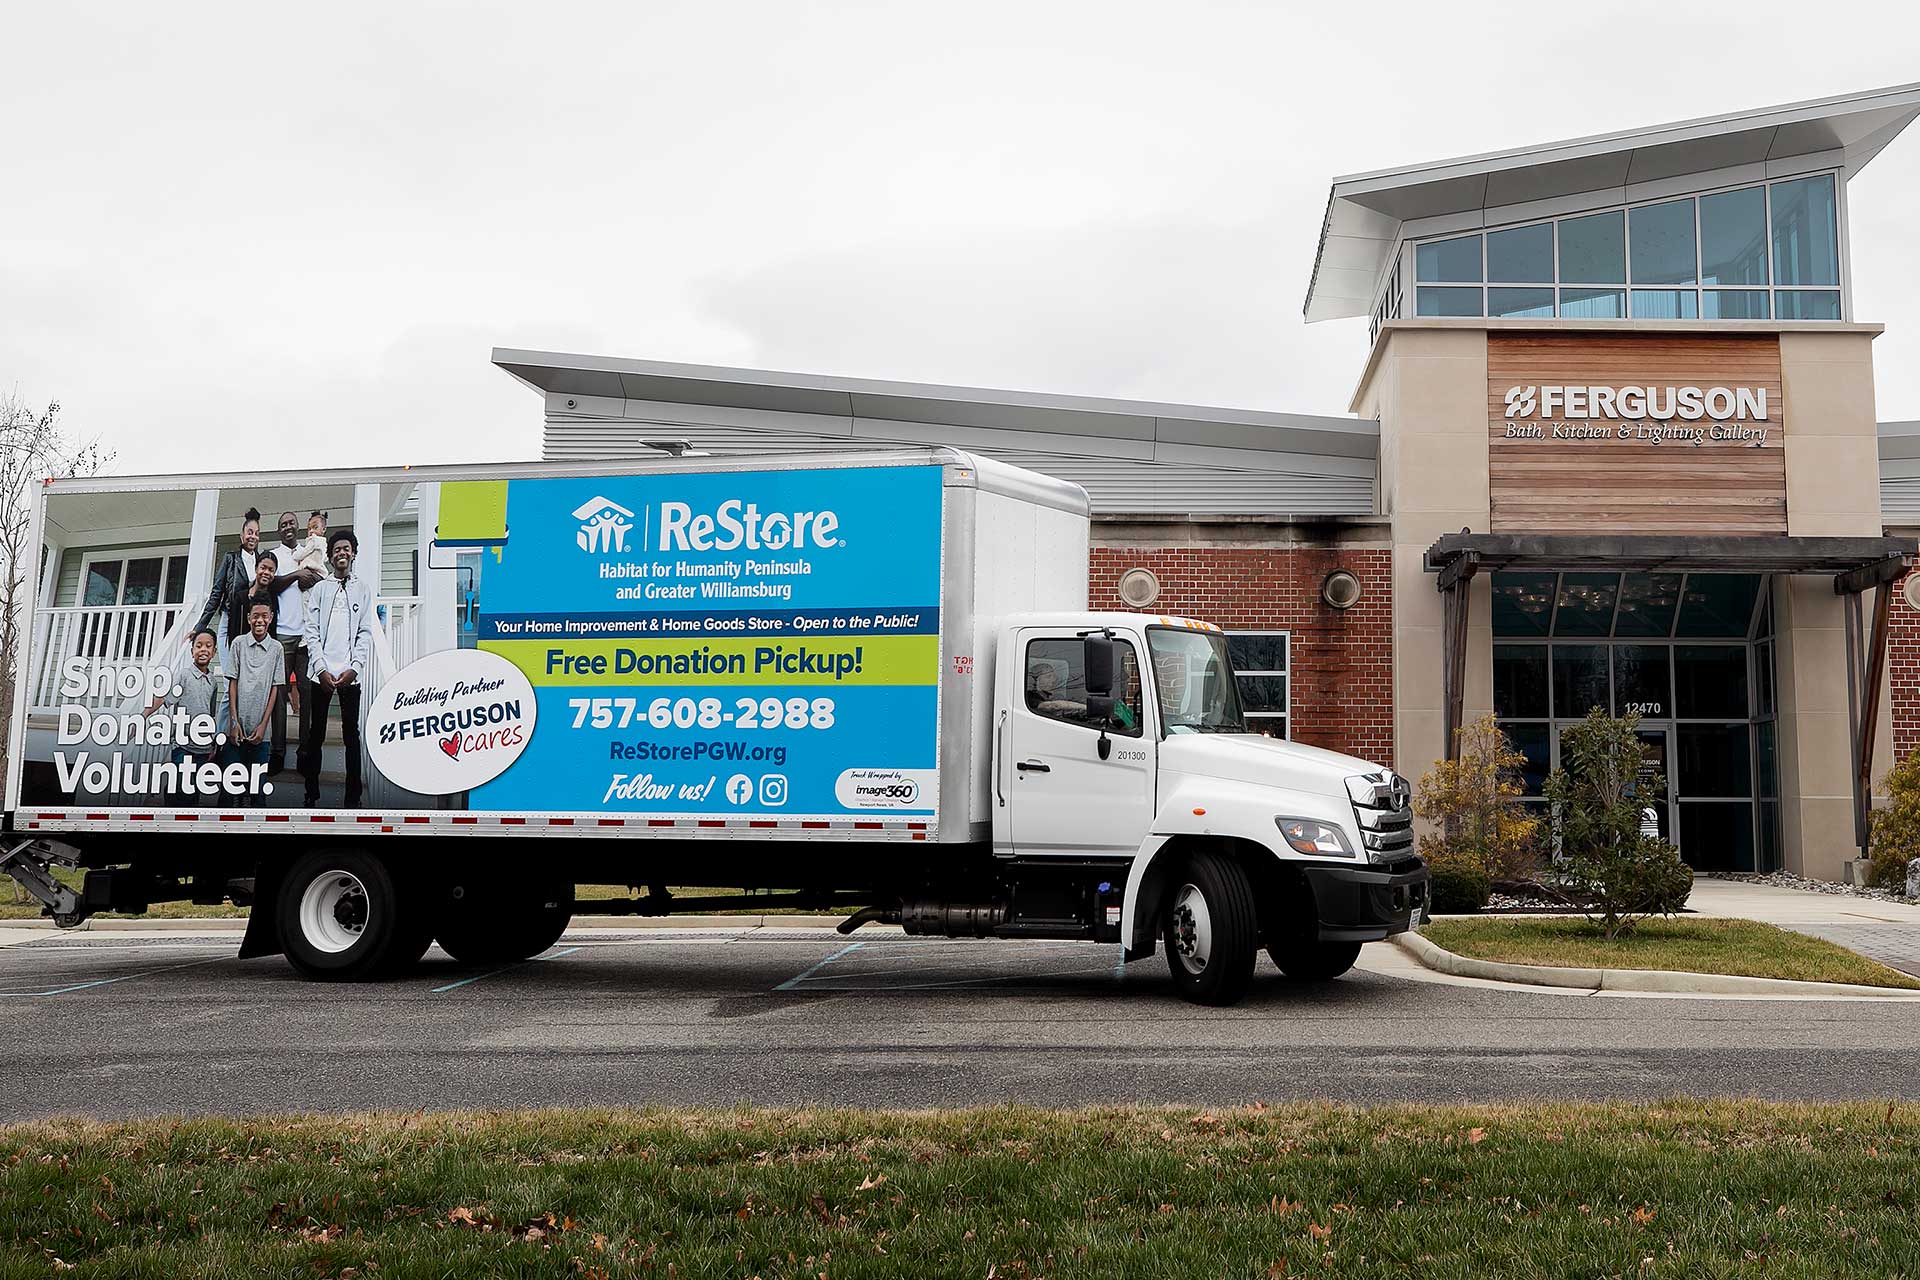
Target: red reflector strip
464,822
233,817
916,826
867,826
141,817
319,817
279,817
815,826
513,822
613,822
919,835
52,817
763,824
368,819
186,817
710,823
96,817
659,822
559,822
416,819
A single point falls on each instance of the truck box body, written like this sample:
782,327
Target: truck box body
759,649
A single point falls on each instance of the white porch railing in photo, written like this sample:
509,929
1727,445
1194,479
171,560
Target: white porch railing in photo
104,633
400,618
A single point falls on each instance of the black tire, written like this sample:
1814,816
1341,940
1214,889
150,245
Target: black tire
415,932
1230,938
488,926
340,914
1314,961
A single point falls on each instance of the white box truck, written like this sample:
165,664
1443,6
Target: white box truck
866,680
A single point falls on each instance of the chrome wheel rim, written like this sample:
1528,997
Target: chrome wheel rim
333,911
1192,929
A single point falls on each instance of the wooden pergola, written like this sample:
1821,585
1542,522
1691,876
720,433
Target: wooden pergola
1858,565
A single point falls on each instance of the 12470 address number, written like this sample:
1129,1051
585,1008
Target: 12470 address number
706,713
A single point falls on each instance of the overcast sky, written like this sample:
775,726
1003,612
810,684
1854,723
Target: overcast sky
267,235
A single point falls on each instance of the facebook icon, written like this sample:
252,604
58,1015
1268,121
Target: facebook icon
740,788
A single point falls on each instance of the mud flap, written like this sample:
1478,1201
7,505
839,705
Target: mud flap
263,916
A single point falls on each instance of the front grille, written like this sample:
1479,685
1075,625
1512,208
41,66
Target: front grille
1382,807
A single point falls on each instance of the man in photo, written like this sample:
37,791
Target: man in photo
256,671
292,580
339,637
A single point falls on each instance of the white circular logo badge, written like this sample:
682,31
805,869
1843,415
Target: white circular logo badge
451,721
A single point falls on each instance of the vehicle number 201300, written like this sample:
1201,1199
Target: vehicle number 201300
703,713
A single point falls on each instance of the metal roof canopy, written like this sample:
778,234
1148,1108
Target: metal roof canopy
1365,211
1858,565
558,373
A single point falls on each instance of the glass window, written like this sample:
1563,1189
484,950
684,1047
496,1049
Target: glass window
1190,671
142,584
1769,837
1808,304
1736,304
176,591
103,583
1763,734
1453,261
1532,741
1531,304
1647,602
1642,681
1592,250
1714,761
1763,679
1057,685
1520,681
1710,681
1523,255
1579,679
1260,667
1718,604
1717,837
1733,237
1665,304
1522,603
1593,304
1806,239
1258,651
1661,240
1586,604
1446,302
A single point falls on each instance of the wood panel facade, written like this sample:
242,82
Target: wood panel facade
1600,433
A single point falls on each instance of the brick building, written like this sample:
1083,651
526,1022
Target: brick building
1612,444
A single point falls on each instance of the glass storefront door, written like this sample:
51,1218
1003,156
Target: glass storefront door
1691,655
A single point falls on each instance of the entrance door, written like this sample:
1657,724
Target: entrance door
1064,799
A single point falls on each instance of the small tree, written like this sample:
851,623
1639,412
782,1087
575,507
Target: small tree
1894,838
32,448
1599,795
1474,803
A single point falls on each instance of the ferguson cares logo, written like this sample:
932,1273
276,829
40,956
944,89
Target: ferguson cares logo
451,721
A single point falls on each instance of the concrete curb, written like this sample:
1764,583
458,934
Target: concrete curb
1661,981
238,924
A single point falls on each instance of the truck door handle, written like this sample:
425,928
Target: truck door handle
1033,766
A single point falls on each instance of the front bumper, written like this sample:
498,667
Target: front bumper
1366,904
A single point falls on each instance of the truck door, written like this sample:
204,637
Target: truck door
1065,799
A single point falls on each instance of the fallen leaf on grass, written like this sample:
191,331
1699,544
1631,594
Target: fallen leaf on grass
1642,1216
1318,1232
871,1181
1282,1205
1476,1135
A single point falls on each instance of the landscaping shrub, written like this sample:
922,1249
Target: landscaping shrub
1459,886
1606,864
1895,834
1473,804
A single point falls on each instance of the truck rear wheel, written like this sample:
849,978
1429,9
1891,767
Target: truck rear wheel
1314,961
340,915
481,926
1210,930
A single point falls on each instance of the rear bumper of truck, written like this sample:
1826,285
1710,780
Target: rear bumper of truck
1366,904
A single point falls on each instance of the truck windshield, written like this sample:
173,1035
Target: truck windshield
1195,680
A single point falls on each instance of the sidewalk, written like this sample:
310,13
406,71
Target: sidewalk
1885,931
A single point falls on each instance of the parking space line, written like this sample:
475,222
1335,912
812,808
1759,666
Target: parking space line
103,982
454,986
806,973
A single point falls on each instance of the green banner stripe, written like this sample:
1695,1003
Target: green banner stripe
816,660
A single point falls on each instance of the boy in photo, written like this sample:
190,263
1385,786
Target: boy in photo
257,668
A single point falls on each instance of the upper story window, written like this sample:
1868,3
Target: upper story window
1768,251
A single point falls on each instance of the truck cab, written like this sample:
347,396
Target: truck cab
1120,744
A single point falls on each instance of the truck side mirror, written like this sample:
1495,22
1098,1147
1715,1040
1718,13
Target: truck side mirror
1098,662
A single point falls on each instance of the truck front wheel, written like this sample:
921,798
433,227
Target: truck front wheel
1210,930
339,912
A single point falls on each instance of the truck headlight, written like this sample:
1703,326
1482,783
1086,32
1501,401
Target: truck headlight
1310,835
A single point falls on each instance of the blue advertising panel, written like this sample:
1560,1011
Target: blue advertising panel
716,645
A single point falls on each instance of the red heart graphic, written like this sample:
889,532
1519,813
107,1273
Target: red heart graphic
451,746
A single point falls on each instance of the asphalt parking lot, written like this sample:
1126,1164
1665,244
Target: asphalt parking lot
149,1023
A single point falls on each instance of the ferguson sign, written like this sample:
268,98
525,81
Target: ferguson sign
1654,414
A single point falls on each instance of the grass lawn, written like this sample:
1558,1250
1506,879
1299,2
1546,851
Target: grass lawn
1674,1190
16,905
1743,947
